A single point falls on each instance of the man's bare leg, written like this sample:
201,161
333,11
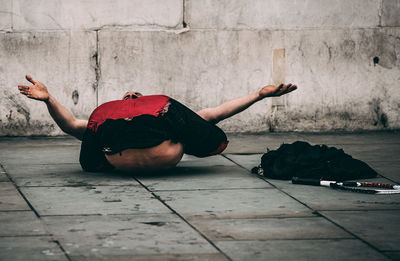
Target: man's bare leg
232,107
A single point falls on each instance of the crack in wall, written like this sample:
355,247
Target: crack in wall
380,10
97,70
12,16
184,22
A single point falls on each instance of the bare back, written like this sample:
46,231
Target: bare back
164,156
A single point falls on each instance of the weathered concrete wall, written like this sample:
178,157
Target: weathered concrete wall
344,55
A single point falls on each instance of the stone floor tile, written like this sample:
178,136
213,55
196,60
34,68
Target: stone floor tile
64,175
372,155
284,184
388,169
192,161
213,177
391,169
393,255
10,199
233,203
159,257
92,200
379,228
373,152
269,228
20,223
248,161
258,143
30,248
3,177
352,138
228,213
323,249
37,141
40,155
112,235
323,198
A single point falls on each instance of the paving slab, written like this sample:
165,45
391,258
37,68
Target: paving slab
393,255
68,174
352,138
127,235
388,169
269,228
92,200
10,199
37,141
218,197
323,198
258,143
192,161
159,257
288,183
3,177
213,177
323,249
20,223
382,231
233,203
30,248
246,161
373,152
40,155
369,153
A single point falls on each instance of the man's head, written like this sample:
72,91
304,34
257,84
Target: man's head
131,95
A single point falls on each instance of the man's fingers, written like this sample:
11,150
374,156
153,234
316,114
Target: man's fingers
23,87
282,90
278,88
29,78
25,90
292,88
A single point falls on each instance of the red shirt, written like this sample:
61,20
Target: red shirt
121,109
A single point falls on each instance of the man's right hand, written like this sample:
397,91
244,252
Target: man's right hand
276,90
36,91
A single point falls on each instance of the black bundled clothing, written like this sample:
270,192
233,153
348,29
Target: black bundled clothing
302,160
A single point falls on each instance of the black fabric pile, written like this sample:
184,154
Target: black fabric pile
300,159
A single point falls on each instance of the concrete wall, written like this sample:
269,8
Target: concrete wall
344,55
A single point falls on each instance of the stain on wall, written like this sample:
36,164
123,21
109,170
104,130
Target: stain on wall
75,97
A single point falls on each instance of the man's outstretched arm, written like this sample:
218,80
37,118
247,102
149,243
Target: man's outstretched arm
64,119
232,107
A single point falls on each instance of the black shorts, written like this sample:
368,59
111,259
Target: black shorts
176,122
199,137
